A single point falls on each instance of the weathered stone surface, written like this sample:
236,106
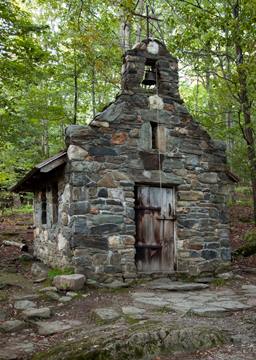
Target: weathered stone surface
41,313
117,284
12,326
250,289
48,288
176,286
69,282
26,297
52,295
53,327
24,304
134,312
106,314
209,178
141,138
209,311
65,299
190,195
119,138
76,153
39,269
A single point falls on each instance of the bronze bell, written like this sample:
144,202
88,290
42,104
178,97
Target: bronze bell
150,78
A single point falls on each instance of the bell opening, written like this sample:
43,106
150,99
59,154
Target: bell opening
149,80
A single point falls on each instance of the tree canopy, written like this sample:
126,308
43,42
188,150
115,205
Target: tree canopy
60,64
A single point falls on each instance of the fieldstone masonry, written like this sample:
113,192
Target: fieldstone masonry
96,227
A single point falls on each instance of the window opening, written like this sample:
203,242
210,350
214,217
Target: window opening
154,127
55,203
44,207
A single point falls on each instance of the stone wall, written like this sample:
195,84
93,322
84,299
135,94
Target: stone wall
115,152
52,240
145,137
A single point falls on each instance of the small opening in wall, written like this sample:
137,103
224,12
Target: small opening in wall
44,207
149,80
55,203
154,134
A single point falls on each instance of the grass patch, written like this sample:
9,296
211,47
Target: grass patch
218,282
56,271
163,310
24,209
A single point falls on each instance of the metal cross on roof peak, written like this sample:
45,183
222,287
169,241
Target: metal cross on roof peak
148,17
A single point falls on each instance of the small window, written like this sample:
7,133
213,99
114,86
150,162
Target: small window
55,203
44,207
154,134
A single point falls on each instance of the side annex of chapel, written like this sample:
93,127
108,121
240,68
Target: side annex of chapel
141,189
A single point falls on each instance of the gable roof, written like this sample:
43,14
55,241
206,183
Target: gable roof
26,184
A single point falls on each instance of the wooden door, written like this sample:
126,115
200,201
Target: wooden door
155,216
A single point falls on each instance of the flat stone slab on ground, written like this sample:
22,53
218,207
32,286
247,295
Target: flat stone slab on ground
106,314
231,305
251,289
153,301
72,282
209,311
48,288
24,305
134,312
65,299
52,327
26,297
43,313
16,351
167,284
12,326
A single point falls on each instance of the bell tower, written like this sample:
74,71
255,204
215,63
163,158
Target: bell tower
150,68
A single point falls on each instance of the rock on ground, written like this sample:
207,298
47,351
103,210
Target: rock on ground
134,312
106,314
39,270
24,305
12,326
72,282
43,313
167,284
53,327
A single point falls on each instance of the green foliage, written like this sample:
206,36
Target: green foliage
249,247
61,63
218,282
56,271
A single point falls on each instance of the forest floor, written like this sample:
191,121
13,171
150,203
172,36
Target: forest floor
226,304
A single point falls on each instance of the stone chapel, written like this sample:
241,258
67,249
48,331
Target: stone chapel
142,189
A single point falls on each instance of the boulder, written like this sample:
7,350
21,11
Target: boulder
106,314
72,282
24,305
42,313
12,326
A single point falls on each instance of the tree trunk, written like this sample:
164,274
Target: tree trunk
93,91
245,106
75,89
125,33
140,8
45,139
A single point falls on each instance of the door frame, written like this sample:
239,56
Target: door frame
168,185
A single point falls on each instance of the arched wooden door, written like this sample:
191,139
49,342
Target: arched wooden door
155,217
